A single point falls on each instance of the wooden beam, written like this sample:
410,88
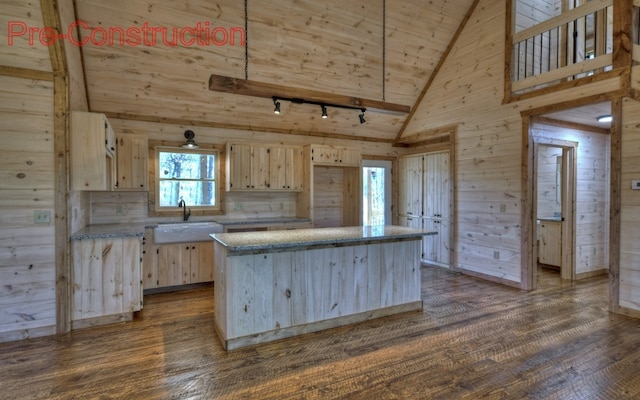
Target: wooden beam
245,87
250,128
622,42
26,73
431,135
436,70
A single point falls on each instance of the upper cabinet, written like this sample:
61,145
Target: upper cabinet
264,168
329,155
133,161
93,152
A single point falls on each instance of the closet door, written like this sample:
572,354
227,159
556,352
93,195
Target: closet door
410,186
437,198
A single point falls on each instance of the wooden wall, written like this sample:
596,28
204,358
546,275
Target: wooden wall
468,93
592,194
549,197
27,250
630,212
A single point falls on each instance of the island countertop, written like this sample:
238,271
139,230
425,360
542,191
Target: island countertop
272,241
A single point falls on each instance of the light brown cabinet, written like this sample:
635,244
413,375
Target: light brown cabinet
550,245
133,162
264,168
93,152
329,155
180,264
106,279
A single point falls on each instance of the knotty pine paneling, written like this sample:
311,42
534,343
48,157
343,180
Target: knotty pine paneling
331,46
630,208
549,165
20,53
27,252
468,92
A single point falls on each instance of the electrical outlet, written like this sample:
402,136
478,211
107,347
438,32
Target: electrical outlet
635,185
41,216
503,207
496,255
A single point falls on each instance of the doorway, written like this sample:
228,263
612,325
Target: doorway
376,192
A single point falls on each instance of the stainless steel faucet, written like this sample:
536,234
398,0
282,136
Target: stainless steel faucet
185,214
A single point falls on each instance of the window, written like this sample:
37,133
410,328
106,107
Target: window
186,175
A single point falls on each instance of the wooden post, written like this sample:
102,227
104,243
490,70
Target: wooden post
616,193
51,17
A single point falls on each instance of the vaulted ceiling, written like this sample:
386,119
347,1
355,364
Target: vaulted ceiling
354,48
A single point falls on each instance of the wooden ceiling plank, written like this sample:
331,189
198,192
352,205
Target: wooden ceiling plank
245,87
433,76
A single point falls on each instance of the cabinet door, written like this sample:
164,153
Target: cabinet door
278,168
295,170
260,168
349,157
324,155
410,186
239,167
106,277
201,262
172,266
150,257
550,247
133,162
92,166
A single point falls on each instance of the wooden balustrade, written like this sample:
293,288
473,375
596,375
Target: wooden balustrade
572,45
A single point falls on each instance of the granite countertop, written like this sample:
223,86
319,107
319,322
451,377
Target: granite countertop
243,242
102,231
256,221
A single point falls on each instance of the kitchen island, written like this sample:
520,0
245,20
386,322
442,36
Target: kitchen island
278,284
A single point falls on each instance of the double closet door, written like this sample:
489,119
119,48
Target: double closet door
424,202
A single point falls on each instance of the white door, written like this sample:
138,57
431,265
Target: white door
376,192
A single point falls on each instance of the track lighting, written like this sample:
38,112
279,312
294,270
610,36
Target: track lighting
323,106
190,143
276,105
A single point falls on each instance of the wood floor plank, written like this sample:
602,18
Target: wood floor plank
473,339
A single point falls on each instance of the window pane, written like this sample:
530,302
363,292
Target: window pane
194,193
186,165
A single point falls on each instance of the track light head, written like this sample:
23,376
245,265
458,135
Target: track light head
324,111
361,116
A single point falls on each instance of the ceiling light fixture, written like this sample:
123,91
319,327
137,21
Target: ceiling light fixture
605,118
190,143
276,106
323,106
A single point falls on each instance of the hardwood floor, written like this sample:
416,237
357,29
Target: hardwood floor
474,339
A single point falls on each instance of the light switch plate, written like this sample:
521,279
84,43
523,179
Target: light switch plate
635,185
41,216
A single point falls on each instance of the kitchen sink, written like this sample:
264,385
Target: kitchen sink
185,232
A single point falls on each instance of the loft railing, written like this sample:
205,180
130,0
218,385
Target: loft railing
572,45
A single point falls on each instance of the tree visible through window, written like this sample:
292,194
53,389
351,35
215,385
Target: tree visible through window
187,175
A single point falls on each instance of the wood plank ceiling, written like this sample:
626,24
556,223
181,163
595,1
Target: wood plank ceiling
331,46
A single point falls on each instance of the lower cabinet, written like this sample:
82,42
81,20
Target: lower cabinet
176,264
184,263
550,244
107,278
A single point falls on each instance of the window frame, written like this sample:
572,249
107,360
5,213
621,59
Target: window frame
196,210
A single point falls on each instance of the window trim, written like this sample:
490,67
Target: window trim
195,210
